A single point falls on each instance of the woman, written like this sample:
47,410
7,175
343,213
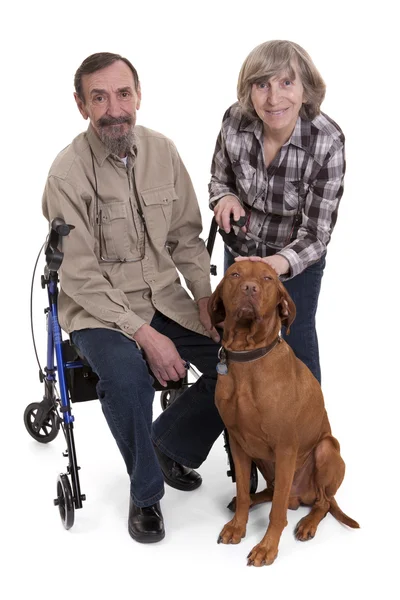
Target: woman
279,162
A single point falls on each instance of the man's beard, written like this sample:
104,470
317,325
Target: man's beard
112,135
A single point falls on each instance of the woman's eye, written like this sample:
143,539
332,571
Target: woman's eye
287,82
262,85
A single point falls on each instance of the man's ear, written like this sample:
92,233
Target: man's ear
81,106
139,96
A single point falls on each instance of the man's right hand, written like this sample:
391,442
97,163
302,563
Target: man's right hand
227,206
161,355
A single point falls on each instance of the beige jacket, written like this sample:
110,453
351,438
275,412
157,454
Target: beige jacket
146,213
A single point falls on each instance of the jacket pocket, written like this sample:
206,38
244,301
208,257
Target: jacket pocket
157,209
114,240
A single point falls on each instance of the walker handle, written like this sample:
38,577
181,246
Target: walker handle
60,226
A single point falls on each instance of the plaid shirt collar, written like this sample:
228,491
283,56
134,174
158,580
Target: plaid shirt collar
301,135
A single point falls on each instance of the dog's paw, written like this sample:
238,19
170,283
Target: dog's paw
305,529
232,533
261,555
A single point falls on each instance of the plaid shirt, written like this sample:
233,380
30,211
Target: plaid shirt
292,204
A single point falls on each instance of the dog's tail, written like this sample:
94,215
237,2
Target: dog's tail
340,516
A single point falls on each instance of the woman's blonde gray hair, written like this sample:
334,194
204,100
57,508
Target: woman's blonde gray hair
272,58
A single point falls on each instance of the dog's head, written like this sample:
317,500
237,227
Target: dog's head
251,291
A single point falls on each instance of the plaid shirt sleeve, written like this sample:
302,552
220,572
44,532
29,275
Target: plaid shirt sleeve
319,214
223,182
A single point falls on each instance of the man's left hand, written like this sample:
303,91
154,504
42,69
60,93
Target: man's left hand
205,319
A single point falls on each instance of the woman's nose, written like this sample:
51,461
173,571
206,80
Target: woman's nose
274,94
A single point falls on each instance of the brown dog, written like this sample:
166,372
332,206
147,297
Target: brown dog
273,409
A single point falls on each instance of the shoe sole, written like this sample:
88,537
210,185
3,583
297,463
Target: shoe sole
147,538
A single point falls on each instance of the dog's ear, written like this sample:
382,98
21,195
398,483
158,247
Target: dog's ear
216,308
286,307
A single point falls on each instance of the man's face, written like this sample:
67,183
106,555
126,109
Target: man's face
278,101
110,101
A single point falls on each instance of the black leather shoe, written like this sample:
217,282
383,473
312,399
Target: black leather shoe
146,524
176,475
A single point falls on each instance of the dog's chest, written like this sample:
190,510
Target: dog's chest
243,420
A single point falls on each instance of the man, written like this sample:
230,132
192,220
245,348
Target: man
136,219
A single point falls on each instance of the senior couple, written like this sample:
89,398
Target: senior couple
279,161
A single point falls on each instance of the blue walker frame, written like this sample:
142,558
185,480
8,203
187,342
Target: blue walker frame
42,419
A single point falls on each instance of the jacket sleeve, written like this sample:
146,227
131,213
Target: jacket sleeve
223,181
188,250
319,214
80,275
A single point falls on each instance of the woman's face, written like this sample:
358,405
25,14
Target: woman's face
278,101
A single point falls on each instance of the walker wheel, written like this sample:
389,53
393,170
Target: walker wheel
169,396
64,501
47,430
253,479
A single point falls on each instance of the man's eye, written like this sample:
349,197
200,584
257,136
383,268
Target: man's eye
125,94
99,98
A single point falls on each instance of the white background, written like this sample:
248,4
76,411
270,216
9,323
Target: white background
188,56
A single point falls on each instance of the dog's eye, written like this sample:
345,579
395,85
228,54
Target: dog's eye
235,275
266,277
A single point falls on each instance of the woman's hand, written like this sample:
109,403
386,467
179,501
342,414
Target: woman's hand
227,206
279,263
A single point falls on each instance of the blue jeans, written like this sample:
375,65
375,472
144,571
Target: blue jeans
185,431
304,290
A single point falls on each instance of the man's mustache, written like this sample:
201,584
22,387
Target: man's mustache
105,121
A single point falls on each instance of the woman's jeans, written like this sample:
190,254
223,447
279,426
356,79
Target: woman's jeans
185,431
304,290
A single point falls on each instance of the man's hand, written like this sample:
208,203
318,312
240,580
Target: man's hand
227,206
279,263
161,355
205,319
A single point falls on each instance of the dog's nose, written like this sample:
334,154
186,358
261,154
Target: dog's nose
250,288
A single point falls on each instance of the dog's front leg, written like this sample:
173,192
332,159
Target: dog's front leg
235,529
266,551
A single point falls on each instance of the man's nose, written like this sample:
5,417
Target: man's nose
250,288
114,107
